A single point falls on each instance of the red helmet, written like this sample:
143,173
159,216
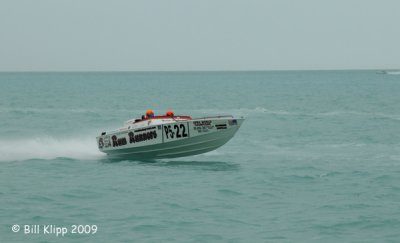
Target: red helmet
149,113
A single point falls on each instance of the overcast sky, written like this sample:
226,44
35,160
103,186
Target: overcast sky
114,35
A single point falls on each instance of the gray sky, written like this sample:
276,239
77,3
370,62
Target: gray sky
100,35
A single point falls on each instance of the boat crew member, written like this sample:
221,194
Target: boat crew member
169,113
149,114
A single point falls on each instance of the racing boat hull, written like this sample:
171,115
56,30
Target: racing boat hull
169,138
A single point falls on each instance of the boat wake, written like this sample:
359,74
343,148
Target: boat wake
49,148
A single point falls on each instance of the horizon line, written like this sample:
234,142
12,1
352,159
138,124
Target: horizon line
200,70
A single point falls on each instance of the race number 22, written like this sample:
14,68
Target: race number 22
175,131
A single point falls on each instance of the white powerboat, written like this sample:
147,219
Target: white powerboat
168,136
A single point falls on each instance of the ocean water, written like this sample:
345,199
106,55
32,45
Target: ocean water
317,159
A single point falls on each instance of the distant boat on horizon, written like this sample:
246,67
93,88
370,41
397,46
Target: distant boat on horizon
390,72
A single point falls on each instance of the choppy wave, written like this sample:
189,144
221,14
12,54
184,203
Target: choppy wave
263,110
333,113
359,113
240,111
393,72
48,148
208,112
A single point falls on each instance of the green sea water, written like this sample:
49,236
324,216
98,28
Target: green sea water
317,159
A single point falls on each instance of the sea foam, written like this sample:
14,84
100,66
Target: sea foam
48,148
